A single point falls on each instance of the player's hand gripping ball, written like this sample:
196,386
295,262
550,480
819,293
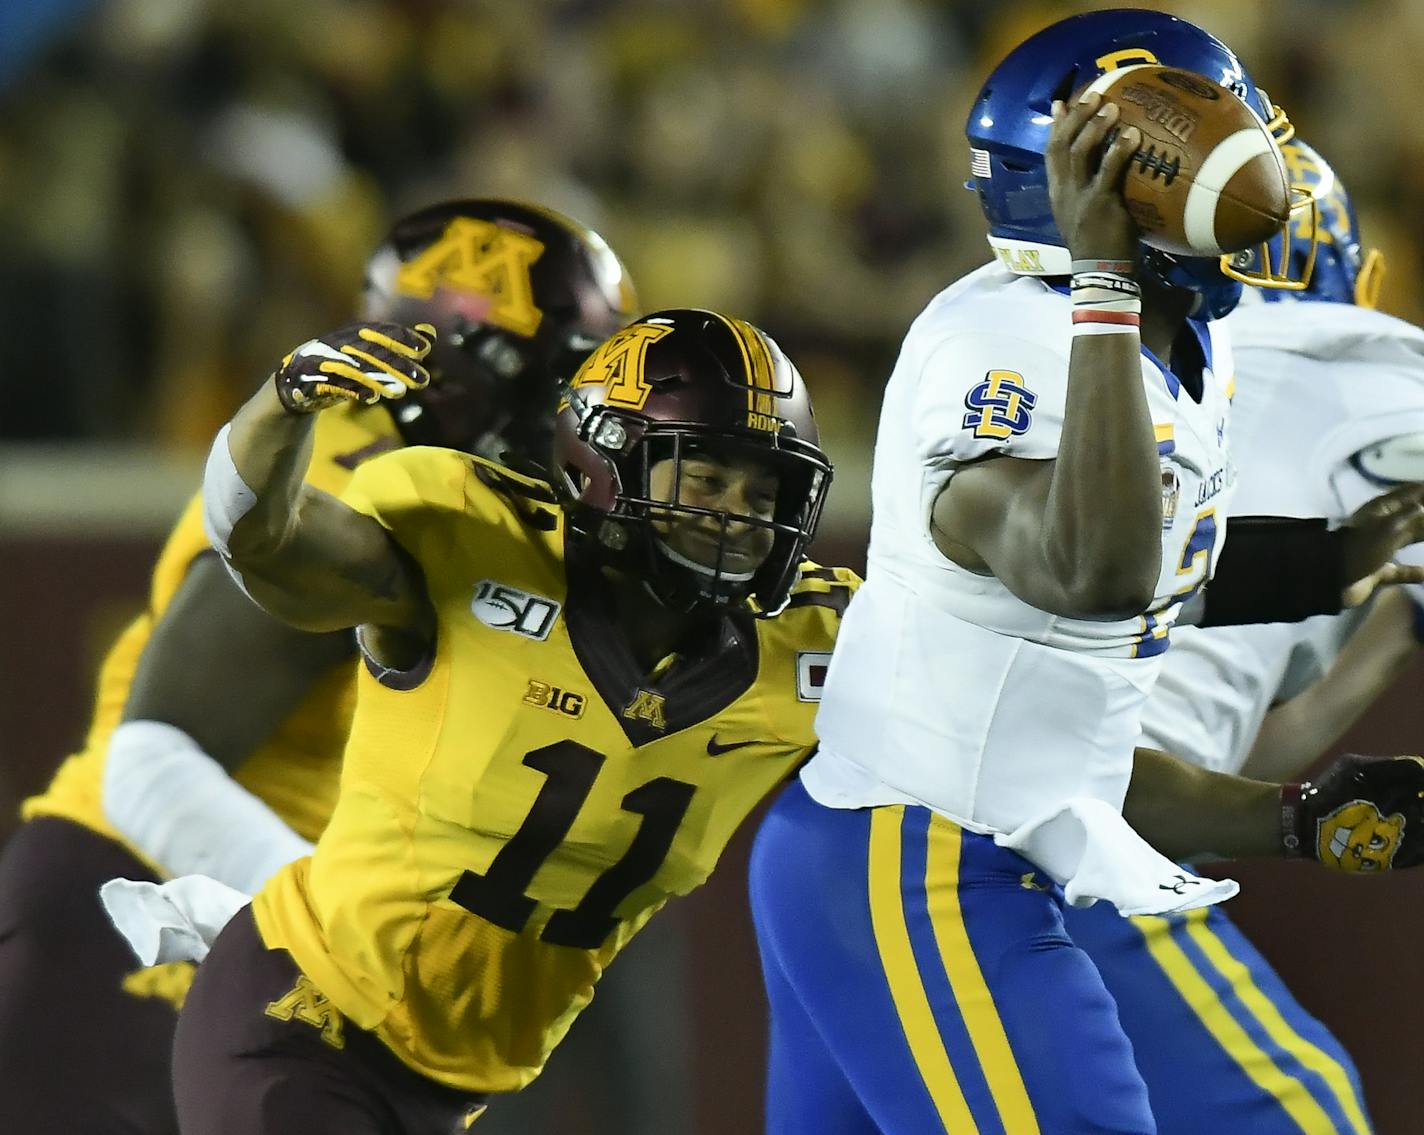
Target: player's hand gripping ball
1365,814
363,362
1207,178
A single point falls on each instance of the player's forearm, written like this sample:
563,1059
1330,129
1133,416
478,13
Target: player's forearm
270,449
1186,811
1295,733
1102,524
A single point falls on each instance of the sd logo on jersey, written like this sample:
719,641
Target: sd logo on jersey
1000,407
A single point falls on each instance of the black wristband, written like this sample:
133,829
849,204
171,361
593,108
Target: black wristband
1275,569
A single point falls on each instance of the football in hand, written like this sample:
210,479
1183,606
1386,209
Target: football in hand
1207,178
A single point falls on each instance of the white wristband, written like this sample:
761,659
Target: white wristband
181,809
1098,328
227,498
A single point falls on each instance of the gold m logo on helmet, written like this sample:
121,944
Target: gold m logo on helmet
485,259
617,366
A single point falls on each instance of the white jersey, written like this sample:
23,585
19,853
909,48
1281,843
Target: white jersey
948,690
1317,384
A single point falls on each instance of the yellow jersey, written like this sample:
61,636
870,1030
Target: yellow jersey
514,811
296,770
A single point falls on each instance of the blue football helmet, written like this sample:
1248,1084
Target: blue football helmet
1008,134
1321,244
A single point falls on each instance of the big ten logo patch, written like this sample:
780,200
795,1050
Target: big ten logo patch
308,1004
546,696
617,366
1000,407
483,260
648,707
811,669
504,608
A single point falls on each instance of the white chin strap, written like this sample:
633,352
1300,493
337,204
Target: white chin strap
702,569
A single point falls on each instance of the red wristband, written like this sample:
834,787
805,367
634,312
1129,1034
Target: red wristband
1093,315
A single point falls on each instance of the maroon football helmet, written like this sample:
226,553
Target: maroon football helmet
518,295
674,384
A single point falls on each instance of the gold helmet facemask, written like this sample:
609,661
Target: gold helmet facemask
1257,266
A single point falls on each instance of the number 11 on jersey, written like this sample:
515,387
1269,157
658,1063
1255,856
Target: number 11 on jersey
570,770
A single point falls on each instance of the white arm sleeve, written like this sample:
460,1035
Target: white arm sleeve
181,809
227,498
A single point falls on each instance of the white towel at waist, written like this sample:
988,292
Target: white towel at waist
1087,847
175,921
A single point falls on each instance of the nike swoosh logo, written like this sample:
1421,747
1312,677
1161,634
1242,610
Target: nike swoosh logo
716,750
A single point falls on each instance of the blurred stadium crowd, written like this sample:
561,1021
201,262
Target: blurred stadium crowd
189,187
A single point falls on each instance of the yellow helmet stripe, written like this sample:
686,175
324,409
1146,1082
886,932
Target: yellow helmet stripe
756,364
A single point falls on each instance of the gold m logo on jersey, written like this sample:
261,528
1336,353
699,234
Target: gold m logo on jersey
485,259
647,706
308,1004
617,366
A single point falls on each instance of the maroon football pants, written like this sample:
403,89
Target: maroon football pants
85,1034
260,1051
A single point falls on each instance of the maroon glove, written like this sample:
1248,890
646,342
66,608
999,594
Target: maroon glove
362,362
1364,814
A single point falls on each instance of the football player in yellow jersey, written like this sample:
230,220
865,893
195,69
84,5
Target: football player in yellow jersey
204,683
572,693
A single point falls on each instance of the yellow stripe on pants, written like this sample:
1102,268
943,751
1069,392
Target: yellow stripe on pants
1278,1028
966,980
892,939
1227,1031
